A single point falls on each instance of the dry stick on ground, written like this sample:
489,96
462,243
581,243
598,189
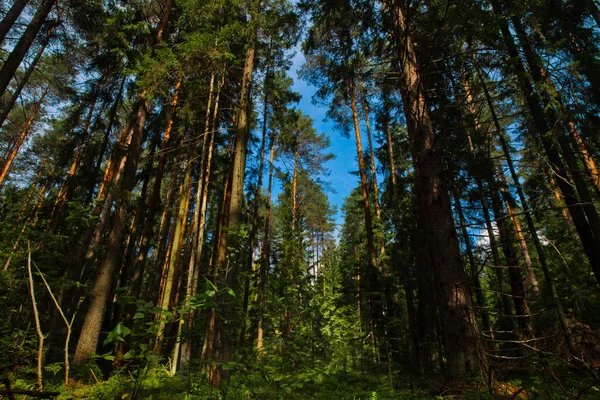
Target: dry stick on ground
67,323
37,321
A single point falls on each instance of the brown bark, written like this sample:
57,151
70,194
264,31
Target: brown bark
11,65
196,255
90,332
363,183
265,254
64,194
523,315
8,106
479,295
531,284
506,322
154,201
11,17
465,354
254,221
529,219
541,76
223,342
372,156
23,134
173,268
586,229
100,296
295,190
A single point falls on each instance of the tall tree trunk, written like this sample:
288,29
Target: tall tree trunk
363,182
372,275
190,287
523,315
506,322
173,269
8,106
94,317
112,119
465,354
530,278
532,289
372,156
578,212
479,294
99,219
23,134
66,189
101,289
529,220
553,96
196,255
11,65
265,254
11,17
223,341
254,221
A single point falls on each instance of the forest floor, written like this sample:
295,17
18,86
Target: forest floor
315,384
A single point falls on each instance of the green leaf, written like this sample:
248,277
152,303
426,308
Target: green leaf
231,292
138,315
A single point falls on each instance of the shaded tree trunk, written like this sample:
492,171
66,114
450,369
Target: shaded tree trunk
11,17
464,350
8,106
578,212
11,65
529,220
265,254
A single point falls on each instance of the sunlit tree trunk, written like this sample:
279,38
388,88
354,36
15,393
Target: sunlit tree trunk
265,254
196,255
23,134
363,181
66,189
170,281
100,296
221,349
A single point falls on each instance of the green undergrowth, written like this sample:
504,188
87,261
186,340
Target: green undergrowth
248,384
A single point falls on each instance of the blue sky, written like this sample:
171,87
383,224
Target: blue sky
340,179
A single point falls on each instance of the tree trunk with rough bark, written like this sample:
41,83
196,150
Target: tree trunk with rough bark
464,350
221,331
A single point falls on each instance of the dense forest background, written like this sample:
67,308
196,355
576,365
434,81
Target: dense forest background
165,223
